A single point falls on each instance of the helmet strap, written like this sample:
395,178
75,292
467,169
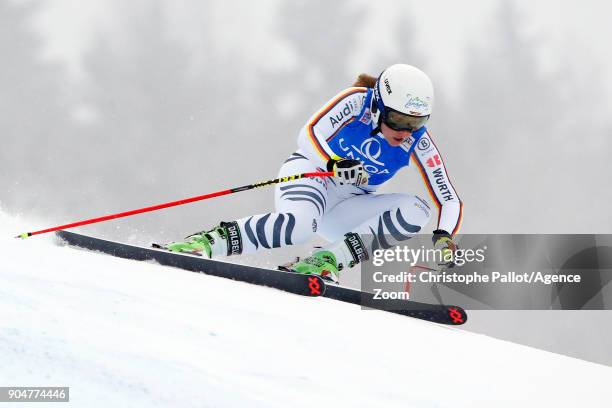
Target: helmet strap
373,109
376,130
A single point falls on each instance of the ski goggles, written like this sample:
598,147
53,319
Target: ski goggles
400,121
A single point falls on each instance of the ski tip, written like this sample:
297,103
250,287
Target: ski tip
24,235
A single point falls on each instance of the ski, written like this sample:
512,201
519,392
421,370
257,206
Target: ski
307,285
286,281
436,313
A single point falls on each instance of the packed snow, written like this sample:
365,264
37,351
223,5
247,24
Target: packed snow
123,333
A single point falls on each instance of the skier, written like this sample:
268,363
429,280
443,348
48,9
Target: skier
365,134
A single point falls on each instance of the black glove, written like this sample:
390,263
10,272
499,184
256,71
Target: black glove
348,171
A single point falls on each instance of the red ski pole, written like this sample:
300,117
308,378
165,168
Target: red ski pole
179,202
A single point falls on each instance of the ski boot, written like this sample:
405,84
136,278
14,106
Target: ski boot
322,263
200,243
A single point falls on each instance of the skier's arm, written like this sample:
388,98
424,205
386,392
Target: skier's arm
327,122
431,166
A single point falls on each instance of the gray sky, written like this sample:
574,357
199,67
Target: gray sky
579,30
515,81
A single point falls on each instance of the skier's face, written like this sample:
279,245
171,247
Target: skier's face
394,137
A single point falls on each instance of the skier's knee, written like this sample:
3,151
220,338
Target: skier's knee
413,210
304,228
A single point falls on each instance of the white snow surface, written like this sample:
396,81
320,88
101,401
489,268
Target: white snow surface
124,333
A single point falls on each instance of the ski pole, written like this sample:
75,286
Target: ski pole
178,202
425,268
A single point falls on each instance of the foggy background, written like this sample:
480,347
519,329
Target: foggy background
107,106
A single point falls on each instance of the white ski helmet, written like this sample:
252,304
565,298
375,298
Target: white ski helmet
403,98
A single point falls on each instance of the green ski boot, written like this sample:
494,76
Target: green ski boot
200,243
322,263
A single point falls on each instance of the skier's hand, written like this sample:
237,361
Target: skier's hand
348,171
443,241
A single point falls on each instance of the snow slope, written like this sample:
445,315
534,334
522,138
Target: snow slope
123,333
